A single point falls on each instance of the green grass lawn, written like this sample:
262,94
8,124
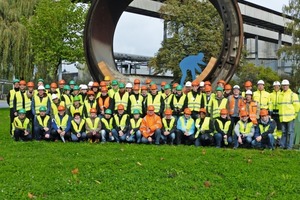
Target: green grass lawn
48,170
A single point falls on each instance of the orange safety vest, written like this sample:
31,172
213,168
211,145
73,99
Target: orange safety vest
251,109
231,103
103,104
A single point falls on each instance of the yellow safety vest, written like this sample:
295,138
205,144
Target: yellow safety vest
119,100
62,123
67,100
274,96
73,109
178,104
156,102
224,127
167,100
121,123
265,128
205,125
245,128
194,103
88,106
108,124
136,104
11,97
43,123
112,92
171,124
263,98
17,123
135,124
78,127
188,125
39,103
92,125
54,107
217,108
19,102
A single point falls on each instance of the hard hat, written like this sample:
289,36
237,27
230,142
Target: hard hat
179,88
227,87
187,111
163,83
136,81
84,87
168,111
90,92
108,111
207,83
47,86
135,112
76,98
102,84
128,85
104,89
93,110
121,85
148,81
95,84
22,82
76,112
195,83
167,87
41,87
90,84
175,85
150,108
53,85
30,84
207,88
41,80
136,87
61,82
144,87
201,84
249,92
248,84
219,89
223,111
276,83
22,111
43,109
107,78
243,113
260,82
76,87
120,107
16,81
72,82
221,81
285,82
236,87
66,87
188,84
264,112
202,110
153,87
54,96
60,108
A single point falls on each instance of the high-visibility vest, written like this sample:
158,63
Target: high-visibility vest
224,127
11,97
121,123
274,107
156,102
112,92
67,100
108,124
103,104
186,126
123,100
251,109
263,98
288,106
78,127
62,123
54,107
19,102
88,106
263,128
178,104
136,103
204,126
231,103
245,128
93,125
135,124
194,103
167,100
44,122
217,108
171,124
73,109
38,103
18,124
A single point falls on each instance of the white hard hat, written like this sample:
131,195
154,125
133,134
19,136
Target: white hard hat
236,87
285,82
248,92
54,96
91,83
260,82
188,84
84,87
41,87
202,84
129,85
276,83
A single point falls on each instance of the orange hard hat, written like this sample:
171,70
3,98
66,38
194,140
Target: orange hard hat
195,83
144,87
221,81
248,84
60,108
136,81
174,85
90,92
168,111
136,87
264,112
243,113
61,82
163,83
224,111
187,111
120,107
30,84
153,87
53,85
93,110
104,89
207,83
102,84
22,82
227,87
95,84
202,110
208,88
148,81
150,108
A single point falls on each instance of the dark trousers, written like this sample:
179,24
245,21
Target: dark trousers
19,134
182,139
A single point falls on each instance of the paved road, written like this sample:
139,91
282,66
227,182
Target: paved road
3,104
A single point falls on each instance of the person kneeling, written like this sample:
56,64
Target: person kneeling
21,127
134,127
243,130
205,130
185,128
42,125
61,125
93,126
224,128
78,128
107,126
169,126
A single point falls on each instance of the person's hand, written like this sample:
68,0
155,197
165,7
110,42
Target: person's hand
26,132
94,132
150,139
46,129
240,140
121,133
258,139
186,133
166,133
109,134
78,135
47,135
225,136
63,133
59,131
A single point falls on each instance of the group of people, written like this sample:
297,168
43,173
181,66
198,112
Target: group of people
114,111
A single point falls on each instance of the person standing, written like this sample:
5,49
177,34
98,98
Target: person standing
261,95
10,99
274,109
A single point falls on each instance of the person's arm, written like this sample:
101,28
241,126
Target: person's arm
237,130
144,128
68,128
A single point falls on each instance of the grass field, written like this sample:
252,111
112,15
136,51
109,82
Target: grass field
43,170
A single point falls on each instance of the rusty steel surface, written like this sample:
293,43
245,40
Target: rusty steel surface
104,15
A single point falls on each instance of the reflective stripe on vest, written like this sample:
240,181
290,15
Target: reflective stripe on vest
217,108
136,104
62,123
188,125
245,128
252,111
39,103
78,127
88,106
194,103
156,102
121,123
135,124
171,124
263,98
11,98
19,124
123,100
43,123
231,102
73,109
167,100
67,100
92,125
19,103
178,104
204,126
108,125
224,127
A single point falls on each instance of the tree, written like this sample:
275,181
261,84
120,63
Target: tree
15,48
192,26
56,32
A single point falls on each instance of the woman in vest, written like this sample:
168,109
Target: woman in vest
134,128
42,126
107,126
243,131
168,128
93,126
223,127
21,126
77,128
185,128
61,125
121,124
89,103
204,130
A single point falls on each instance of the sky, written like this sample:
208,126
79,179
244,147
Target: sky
141,35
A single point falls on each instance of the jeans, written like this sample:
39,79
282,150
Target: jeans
156,137
288,134
74,137
168,138
219,138
246,140
136,137
105,136
269,142
204,140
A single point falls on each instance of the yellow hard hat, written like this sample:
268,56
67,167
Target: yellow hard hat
107,78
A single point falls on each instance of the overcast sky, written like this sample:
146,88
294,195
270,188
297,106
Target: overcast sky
141,35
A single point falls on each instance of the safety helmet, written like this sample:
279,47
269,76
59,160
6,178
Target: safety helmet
93,110
120,107
95,84
264,112
202,110
135,112
224,111
76,87
188,84
219,89
53,85
150,108
136,88
84,87
167,87
107,78
207,88
248,84
90,92
90,84
43,109
54,96
60,108
76,98
41,87
221,81
144,87
285,82
227,87
108,111
163,83
168,111
195,83
22,111
22,82
104,89
61,82
47,86
153,87
187,111
260,82
136,81
178,88
41,80
243,113
102,84
207,83
121,85
248,92
30,84
148,81
276,83
128,85
72,82
236,87
66,87
16,81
